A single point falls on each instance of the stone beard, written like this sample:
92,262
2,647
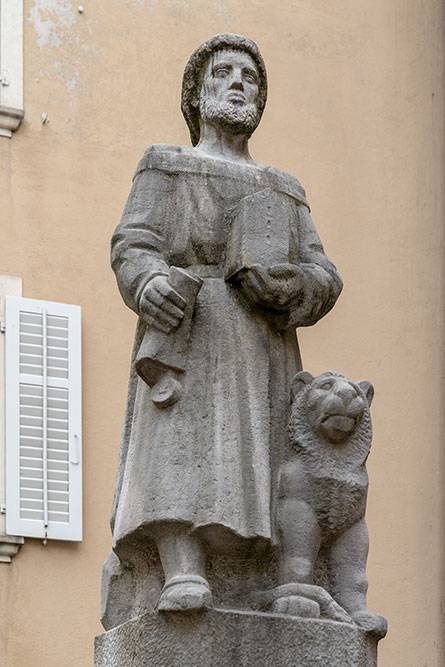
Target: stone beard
230,117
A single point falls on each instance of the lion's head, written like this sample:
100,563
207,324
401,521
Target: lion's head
331,405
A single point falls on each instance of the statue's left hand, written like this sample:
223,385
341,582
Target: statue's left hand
275,287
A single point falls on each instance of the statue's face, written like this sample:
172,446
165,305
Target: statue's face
232,76
229,92
335,407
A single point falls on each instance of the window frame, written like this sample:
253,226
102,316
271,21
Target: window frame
11,66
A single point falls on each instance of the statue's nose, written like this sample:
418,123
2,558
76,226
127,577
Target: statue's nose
345,392
236,82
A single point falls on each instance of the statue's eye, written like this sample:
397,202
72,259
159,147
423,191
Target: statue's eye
221,72
326,385
250,77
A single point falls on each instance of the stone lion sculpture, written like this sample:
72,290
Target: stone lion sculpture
322,501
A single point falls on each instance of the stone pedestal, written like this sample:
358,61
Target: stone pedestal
227,638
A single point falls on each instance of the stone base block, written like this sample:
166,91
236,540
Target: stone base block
227,638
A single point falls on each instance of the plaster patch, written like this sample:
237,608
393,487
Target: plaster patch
50,18
57,26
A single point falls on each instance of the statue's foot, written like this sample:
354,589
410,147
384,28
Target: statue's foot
300,600
371,622
295,605
185,593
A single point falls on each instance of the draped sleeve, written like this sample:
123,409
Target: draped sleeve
138,244
322,284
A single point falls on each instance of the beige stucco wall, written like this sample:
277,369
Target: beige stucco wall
355,111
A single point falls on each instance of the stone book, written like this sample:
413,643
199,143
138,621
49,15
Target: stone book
260,232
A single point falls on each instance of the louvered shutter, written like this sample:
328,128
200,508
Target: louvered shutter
43,419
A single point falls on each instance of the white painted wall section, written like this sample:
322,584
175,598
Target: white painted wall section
11,66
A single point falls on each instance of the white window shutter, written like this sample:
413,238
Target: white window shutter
43,419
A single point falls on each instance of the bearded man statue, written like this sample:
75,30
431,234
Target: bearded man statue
198,470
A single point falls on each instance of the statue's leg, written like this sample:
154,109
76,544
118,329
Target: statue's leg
183,560
348,556
300,541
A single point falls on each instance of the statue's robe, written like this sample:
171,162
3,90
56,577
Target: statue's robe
210,460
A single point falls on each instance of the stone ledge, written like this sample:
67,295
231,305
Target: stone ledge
10,119
9,546
228,638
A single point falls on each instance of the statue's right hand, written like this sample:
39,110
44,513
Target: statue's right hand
160,305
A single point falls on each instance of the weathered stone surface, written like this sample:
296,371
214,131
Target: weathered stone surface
205,426
221,638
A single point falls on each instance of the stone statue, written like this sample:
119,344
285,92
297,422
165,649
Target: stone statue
322,498
220,260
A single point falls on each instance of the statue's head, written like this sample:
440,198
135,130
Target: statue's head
224,83
333,405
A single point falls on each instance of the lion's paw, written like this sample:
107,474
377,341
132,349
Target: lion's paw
295,605
371,622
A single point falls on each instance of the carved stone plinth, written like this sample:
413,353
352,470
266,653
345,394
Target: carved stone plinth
234,639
